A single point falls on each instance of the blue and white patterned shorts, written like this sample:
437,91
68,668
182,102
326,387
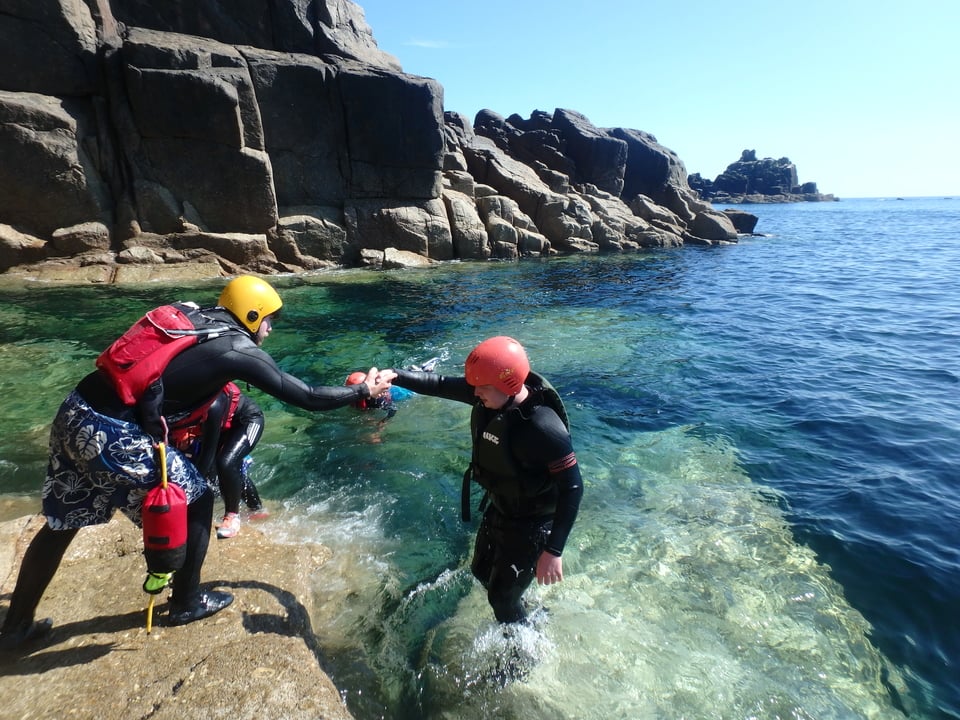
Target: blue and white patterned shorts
99,464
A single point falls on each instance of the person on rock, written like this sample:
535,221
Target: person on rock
523,458
104,437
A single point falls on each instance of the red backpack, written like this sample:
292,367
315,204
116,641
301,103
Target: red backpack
137,358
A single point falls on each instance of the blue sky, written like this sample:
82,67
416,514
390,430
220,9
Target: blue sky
862,95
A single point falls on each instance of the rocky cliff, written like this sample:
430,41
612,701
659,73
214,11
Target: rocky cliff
276,137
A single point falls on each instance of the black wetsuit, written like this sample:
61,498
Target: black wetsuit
533,484
223,449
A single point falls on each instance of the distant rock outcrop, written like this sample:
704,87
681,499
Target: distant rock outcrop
750,180
277,137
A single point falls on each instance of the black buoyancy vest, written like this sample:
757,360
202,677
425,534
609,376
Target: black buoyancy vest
494,467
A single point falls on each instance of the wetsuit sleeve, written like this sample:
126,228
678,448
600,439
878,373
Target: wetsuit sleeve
295,391
431,383
545,443
261,371
194,370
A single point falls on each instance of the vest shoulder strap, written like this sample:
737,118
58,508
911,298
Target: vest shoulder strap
549,396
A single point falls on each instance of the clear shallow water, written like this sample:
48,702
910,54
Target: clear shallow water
768,433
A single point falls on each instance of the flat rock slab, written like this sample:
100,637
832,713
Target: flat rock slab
256,659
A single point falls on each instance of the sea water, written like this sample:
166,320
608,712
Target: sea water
767,431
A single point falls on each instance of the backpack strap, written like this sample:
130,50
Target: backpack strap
465,494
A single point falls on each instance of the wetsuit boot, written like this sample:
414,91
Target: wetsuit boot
187,602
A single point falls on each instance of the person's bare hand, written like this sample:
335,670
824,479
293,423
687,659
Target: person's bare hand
549,569
378,381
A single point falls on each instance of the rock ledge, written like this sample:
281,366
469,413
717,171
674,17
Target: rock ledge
256,659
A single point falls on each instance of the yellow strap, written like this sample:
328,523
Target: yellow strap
150,614
162,448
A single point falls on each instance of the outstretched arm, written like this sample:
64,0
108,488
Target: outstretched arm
431,383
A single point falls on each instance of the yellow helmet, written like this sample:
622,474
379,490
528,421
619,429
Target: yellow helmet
250,299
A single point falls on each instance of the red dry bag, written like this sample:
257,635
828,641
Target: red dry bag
164,523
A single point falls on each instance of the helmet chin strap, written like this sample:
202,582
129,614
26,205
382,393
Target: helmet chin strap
508,403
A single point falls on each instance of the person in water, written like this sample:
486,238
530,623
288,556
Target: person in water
219,439
523,458
386,401
102,448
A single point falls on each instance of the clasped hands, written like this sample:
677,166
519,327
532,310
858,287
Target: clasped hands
378,381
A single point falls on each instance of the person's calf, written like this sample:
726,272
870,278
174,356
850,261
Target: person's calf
513,611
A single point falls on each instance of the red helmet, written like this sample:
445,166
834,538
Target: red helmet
356,378
499,361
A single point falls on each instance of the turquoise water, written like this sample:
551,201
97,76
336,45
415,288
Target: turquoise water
768,435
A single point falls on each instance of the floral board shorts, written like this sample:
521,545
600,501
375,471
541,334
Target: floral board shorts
99,464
